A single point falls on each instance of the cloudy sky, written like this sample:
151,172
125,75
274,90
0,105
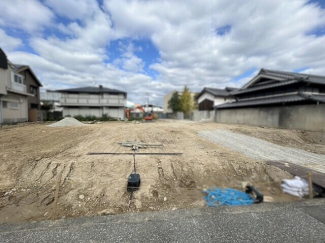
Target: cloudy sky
154,47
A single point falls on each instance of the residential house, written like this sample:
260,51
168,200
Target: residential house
278,99
15,97
210,97
93,101
52,97
33,87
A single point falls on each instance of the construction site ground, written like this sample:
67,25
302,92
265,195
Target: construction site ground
33,155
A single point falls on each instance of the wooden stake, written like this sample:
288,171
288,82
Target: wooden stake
56,195
310,184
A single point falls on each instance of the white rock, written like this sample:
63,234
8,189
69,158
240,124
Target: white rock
81,197
165,199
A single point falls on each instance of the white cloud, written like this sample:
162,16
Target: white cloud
29,15
8,43
272,34
73,9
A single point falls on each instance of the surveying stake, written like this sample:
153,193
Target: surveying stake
134,181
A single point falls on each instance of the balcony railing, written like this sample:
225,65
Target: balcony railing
92,102
17,87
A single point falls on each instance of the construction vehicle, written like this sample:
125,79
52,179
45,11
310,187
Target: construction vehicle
147,116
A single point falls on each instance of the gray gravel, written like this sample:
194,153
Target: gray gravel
67,122
262,150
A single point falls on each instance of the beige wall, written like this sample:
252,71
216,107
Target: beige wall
3,80
167,98
11,115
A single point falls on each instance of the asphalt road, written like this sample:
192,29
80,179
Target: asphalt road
280,222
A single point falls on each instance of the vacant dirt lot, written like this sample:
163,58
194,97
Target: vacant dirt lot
32,156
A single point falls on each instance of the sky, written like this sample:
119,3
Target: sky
150,48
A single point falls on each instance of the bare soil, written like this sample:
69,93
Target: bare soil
32,156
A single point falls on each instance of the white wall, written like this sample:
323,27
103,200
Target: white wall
207,96
116,112
216,100
85,99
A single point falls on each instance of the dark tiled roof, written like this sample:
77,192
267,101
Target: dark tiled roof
217,92
92,90
266,86
290,75
287,78
272,100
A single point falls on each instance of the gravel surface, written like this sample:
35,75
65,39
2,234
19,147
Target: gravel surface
67,122
262,150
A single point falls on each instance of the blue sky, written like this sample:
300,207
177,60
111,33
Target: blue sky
159,46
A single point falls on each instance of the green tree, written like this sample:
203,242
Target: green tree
186,101
174,102
196,101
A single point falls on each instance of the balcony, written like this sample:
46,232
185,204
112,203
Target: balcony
91,102
17,87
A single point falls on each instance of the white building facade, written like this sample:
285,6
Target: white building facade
93,101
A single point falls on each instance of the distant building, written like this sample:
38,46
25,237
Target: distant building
210,97
157,110
19,92
278,99
167,98
53,97
93,101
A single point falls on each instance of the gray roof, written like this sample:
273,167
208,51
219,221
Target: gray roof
297,76
289,78
92,90
266,86
273,100
217,92
20,68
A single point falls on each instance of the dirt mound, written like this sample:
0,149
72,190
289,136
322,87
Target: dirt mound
67,122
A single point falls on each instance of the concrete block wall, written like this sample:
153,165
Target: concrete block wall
310,118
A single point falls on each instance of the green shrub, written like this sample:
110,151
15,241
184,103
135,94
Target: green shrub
105,117
132,118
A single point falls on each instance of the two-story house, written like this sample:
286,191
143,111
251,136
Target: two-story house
32,85
15,97
93,101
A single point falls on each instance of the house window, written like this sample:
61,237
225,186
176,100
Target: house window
33,90
18,79
13,105
4,104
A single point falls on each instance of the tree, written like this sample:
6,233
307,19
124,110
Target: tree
174,102
186,101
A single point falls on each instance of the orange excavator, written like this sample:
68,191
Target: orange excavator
147,116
